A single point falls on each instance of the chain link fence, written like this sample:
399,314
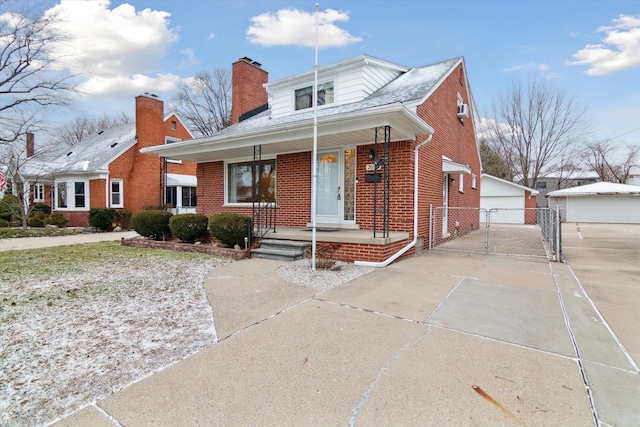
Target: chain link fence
528,232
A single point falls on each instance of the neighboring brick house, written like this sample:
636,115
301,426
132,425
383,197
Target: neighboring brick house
107,169
376,122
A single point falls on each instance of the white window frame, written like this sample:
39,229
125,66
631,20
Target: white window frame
461,183
474,181
38,193
120,192
326,104
71,194
226,178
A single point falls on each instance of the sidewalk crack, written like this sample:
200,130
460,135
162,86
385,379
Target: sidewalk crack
365,396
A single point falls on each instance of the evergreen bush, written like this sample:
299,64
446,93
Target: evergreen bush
230,228
102,218
37,219
123,219
188,227
153,224
3,223
10,208
41,207
57,219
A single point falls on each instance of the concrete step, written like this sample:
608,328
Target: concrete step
283,250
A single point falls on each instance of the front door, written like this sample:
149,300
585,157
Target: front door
335,187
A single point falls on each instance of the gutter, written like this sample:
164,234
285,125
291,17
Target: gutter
415,216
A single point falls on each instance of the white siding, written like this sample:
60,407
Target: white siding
351,84
496,194
618,209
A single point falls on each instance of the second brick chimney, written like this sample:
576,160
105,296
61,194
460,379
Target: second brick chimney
31,144
247,78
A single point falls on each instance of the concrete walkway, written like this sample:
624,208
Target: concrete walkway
440,339
51,241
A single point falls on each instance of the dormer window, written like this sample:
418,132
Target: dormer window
304,96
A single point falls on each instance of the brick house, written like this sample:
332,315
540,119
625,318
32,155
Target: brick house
107,169
391,142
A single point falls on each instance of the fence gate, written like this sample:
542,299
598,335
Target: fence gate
527,232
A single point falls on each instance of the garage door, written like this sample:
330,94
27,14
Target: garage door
512,217
606,209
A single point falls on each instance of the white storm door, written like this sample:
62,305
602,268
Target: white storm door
445,205
328,187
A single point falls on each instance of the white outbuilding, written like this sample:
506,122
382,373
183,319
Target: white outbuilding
510,198
602,202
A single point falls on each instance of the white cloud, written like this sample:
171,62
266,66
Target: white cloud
297,27
619,50
211,36
113,50
190,58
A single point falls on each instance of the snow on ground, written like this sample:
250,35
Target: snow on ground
74,338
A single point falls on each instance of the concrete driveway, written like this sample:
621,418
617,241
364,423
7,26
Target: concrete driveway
444,338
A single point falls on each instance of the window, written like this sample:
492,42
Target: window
189,197
171,196
79,194
461,183
474,181
304,96
71,195
173,125
242,182
62,195
116,193
38,193
541,184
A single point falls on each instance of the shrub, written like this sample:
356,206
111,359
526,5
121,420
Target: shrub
41,207
123,219
10,207
188,227
37,219
3,223
230,228
102,218
153,224
57,219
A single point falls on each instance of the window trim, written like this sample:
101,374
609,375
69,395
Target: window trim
474,181
71,194
461,183
332,81
120,192
38,193
226,180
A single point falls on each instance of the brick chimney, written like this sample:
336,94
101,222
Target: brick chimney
31,145
149,120
247,78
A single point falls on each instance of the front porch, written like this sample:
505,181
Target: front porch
351,245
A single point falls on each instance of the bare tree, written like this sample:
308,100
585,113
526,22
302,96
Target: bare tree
536,126
610,163
30,75
81,127
205,102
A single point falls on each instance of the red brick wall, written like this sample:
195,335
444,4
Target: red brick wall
247,92
76,218
97,193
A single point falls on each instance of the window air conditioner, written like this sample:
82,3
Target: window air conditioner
463,111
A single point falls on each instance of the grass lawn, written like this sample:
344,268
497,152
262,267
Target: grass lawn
12,233
80,322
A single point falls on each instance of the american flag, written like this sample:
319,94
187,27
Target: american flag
3,182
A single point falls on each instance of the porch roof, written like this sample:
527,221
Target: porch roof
338,126
449,166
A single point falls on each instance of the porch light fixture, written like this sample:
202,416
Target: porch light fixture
372,154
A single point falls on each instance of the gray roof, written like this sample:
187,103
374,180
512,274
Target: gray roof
412,86
94,153
599,188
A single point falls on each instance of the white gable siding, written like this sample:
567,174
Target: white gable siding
613,209
350,84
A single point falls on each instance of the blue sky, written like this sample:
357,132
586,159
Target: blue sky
590,48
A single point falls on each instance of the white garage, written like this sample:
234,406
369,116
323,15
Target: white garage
509,198
602,202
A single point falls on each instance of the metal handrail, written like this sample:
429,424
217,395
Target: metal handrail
263,221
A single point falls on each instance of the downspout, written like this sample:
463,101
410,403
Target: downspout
415,216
